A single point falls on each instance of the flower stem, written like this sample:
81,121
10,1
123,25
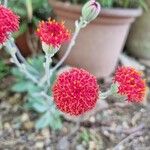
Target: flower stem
23,69
78,27
112,91
5,3
47,67
21,58
12,51
104,95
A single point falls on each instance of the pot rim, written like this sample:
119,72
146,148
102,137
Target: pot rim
109,12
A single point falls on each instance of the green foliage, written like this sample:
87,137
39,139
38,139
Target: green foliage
30,12
106,3
116,3
49,115
4,69
47,120
25,86
85,136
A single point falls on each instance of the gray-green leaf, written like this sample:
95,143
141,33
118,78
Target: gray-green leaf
44,121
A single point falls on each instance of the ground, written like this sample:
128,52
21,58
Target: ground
116,125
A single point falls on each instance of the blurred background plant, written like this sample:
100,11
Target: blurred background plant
115,3
30,12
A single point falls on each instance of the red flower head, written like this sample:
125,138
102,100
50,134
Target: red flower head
53,33
9,22
130,83
75,91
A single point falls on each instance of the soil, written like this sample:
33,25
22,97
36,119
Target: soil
118,125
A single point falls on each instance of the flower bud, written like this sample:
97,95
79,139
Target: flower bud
49,49
90,10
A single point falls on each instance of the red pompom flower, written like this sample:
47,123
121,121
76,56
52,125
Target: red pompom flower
130,83
75,91
53,33
9,22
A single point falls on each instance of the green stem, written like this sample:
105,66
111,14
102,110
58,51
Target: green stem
112,91
104,95
48,72
47,67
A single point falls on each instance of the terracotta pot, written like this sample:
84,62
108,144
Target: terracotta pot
138,42
22,44
28,43
99,44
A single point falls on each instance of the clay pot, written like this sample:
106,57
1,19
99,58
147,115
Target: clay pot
138,42
28,43
99,44
22,44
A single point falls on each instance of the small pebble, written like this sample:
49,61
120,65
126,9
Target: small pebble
7,126
141,139
112,137
92,145
147,137
17,133
106,133
92,119
64,130
84,143
28,125
121,147
80,147
14,99
47,142
125,125
135,141
46,133
39,145
48,148
113,125
24,117
63,144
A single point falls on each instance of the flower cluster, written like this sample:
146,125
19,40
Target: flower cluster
9,22
130,83
75,91
53,33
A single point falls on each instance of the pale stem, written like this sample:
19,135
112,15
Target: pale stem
47,67
12,51
48,98
112,91
104,95
21,58
47,75
23,69
42,81
49,53
5,3
72,43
